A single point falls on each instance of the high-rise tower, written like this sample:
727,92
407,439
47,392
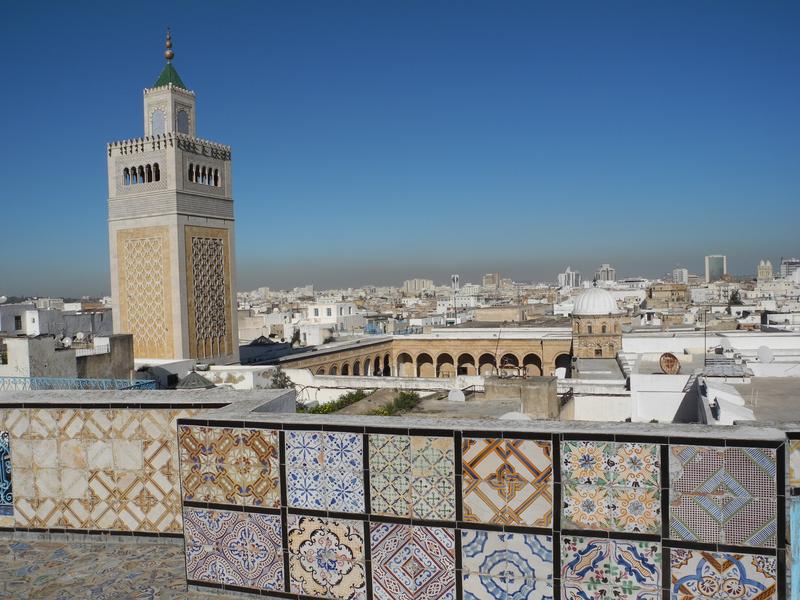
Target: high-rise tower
170,227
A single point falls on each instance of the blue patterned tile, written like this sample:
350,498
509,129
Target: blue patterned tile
6,495
344,491
343,451
306,489
304,449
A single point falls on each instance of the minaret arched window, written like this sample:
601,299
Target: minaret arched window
156,172
197,173
588,329
149,170
183,121
134,176
203,175
216,177
605,328
126,176
141,174
191,172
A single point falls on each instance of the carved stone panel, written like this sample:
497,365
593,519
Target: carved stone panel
143,267
208,288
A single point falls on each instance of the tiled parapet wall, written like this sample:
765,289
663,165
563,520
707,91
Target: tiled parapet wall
358,507
90,469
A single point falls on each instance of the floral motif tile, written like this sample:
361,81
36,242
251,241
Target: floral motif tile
325,470
235,548
723,495
6,493
326,557
507,481
611,486
608,568
230,465
390,474
697,575
412,563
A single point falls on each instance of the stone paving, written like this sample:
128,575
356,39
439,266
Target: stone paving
118,570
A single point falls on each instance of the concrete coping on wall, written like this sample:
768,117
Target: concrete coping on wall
210,398
245,413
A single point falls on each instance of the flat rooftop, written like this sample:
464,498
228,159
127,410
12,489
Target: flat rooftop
772,399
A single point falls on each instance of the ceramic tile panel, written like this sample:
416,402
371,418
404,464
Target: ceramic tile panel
506,565
6,491
390,474
507,481
793,449
326,557
609,568
432,478
696,575
232,547
412,476
325,470
230,465
611,486
723,495
412,562
98,469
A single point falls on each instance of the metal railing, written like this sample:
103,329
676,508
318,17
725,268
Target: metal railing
93,350
72,383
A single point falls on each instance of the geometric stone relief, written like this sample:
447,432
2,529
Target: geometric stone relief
144,289
208,264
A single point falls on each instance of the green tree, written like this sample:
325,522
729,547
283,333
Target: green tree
280,380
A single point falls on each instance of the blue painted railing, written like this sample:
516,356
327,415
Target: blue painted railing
71,383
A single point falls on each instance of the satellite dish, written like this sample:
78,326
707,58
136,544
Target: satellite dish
669,364
3,299
67,341
79,336
765,355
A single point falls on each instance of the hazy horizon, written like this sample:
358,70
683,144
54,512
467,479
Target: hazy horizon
376,142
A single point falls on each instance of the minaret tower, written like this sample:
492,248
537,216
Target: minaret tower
170,227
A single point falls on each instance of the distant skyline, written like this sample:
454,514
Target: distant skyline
376,142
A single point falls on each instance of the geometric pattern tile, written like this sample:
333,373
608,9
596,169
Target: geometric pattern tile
506,565
326,557
608,568
723,495
325,470
412,476
709,575
6,495
610,486
96,468
234,548
432,478
230,465
390,474
412,562
507,481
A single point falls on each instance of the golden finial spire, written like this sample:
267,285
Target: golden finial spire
169,54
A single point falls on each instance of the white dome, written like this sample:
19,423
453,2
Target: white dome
595,301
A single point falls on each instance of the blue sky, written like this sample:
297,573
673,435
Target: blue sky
375,141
